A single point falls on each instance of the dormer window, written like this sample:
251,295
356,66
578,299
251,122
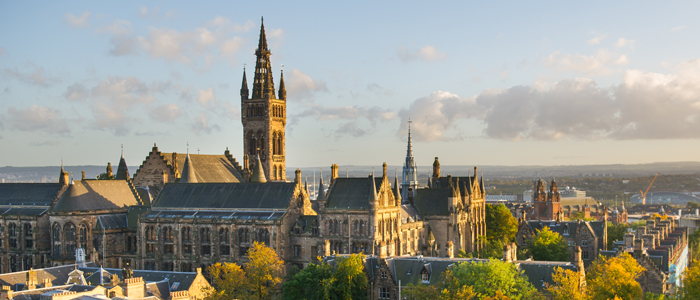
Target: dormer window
383,274
566,229
424,277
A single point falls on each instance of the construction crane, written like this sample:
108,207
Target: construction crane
644,194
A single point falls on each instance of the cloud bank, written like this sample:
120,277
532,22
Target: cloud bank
644,105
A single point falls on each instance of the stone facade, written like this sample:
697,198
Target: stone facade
264,117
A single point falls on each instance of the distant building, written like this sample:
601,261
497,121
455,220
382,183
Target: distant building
572,192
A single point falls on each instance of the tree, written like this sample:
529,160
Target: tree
549,246
612,277
500,224
494,278
567,285
448,288
691,282
228,282
104,176
580,216
320,281
263,269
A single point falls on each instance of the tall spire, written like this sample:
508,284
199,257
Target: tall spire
259,173
263,84
122,169
282,95
188,175
410,172
321,189
244,85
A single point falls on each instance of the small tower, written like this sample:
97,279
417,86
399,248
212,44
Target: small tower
410,177
63,178
188,174
264,116
109,172
436,171
122,169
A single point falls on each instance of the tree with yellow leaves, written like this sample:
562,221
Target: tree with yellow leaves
691,282
614,277
228,282
263,270
567,285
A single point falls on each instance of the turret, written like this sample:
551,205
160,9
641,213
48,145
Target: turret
188,174
258,173
63,178
321,189
109,170
244,88
122,169
282,95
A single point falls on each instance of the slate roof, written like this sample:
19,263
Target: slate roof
407,211
90,195
444,183
432,201
217,214
540,272
57,275
351,193
271,195
36,293
29,193
160,289
132,216
208,168
144,194
23,211
113,221
183,279
436,266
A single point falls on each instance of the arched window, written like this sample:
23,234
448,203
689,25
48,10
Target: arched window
264,236
355,227
28,229
150,233
83,234
252,143
56,240
274,172
168,234
12,229
70,238
205,236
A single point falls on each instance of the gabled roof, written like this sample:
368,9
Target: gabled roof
90,195
57,275
351,193
111,221
540,272
271,195
432,201
183,279
208,168
29,193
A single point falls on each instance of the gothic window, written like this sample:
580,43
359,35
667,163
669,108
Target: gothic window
12,229
186,235
28,230
362,228
355,227
274,172
83,235
252,144
70,238
168,234
224,239
205,240
336,227
274,146
56,240
264,236
297,251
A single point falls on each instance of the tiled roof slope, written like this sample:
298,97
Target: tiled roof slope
351,193
208,168
432,201
57,275
29,193
90,195
269,195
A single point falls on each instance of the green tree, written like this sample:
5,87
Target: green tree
104,176
614,278
652,296
491,279
548,245
500,224
263,270
691,282
319,281
228,282
580,216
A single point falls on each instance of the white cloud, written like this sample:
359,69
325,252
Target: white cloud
37,118
201,125
598,64
36,77
678,28
166,112
426,54
351,114
644,105
81,21
207,98
622,42
112,100
302,87
596,40
197,47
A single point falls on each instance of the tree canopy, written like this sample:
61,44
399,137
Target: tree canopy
567,285
691,282
549,246
491,279
500,224
259,279
614,277
346,280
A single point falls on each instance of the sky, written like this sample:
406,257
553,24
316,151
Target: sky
502,83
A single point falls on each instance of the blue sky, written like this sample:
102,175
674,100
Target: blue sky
508,83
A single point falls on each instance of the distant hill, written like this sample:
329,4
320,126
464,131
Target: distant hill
50,173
